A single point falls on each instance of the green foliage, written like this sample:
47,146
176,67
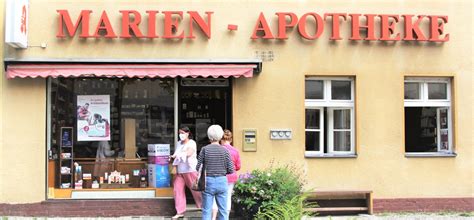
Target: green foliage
261,190
467,214
290,209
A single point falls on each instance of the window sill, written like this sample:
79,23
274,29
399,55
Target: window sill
410,155
331,156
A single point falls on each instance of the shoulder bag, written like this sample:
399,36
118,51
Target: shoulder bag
200,182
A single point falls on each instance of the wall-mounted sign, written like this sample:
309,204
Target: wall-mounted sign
16,23
309,26
93,118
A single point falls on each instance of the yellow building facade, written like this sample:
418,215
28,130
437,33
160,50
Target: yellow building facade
275,97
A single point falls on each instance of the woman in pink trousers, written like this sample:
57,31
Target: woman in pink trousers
231,178
185,160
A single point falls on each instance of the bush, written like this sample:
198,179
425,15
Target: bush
261,190
291,209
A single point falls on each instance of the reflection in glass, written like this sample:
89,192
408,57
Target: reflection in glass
312,141
437,91
314,89
342,119
342,140
312,119
444,139
341,90
412,90
443,118
151,106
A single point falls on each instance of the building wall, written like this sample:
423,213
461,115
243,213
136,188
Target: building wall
275,97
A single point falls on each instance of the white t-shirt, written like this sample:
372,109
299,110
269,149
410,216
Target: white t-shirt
185,164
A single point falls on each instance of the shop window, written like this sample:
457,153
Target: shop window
428,124
129,114
329,127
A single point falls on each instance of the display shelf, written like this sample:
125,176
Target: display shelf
66,141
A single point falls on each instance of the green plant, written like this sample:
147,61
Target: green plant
290,209
262,189
467,214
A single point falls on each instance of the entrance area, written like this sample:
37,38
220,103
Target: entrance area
203,102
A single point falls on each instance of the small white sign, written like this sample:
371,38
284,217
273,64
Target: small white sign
158,150
16,23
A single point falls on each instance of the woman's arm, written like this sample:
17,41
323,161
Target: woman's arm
200,158
228,162
237,161
107,151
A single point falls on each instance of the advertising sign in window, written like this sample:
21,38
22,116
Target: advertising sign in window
93,118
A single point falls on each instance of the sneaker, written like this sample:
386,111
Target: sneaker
177,216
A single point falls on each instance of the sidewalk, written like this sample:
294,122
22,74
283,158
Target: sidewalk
400,216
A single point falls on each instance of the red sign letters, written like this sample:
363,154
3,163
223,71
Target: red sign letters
105,29
310,26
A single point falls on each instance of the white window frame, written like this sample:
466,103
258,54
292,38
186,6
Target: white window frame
424,101
320,130
331,105
331,131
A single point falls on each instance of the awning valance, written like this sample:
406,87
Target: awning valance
130,70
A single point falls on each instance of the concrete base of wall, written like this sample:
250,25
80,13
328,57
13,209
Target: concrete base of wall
424,205
165,207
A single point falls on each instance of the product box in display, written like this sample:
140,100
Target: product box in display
158,154
158,176
158,149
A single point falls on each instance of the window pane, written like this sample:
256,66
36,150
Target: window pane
341,90
437,91
420,129
444,139
412,90
314,89
312,119
342,119
342,141
312,141
443,117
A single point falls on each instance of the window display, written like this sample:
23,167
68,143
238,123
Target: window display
113,121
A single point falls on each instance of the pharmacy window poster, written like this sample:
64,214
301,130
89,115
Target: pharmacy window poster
93,118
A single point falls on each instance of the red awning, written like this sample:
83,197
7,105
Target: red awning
129,70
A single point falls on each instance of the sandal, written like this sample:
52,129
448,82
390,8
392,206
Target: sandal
177,216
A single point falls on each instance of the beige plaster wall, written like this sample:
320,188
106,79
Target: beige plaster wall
274,98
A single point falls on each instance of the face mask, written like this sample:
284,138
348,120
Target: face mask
183,137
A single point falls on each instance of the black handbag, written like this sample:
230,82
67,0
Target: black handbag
200,182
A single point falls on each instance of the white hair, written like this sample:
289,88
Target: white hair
215,133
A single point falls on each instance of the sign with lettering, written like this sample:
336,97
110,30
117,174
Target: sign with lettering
310,26
16,23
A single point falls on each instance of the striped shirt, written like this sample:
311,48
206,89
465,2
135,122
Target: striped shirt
216,160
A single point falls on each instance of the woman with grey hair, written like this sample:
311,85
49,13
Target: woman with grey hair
218,164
